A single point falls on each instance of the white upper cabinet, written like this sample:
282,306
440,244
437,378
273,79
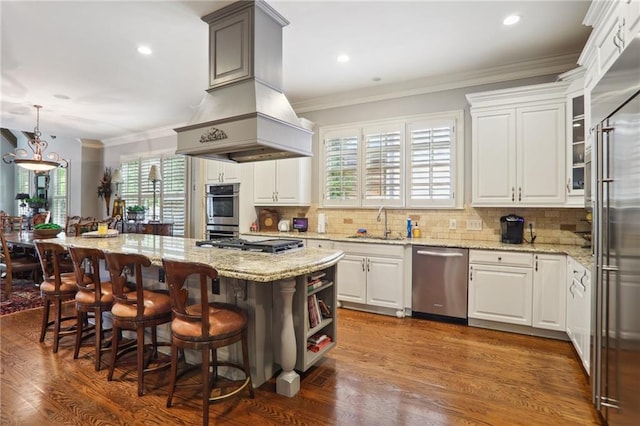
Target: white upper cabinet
222,172
282,182
518,146
615,24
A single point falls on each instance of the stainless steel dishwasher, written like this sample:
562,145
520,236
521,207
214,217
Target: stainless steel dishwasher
439,283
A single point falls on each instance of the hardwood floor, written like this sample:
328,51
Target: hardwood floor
384,371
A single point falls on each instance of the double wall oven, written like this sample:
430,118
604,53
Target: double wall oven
223,206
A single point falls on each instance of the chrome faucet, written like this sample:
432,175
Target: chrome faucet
385,231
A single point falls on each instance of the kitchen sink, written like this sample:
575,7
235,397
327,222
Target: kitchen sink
375,237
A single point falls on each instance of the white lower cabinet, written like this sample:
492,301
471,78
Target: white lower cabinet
371,275
549,295
517,288
498,293
578,294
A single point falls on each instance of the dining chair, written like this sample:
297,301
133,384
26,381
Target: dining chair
11,266
69,226
41,218
56,288
136,311
205,326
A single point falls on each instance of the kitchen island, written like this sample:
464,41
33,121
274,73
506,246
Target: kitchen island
262,283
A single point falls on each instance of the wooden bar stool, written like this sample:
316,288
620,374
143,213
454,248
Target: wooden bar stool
136,310
93,297
205,326
56,288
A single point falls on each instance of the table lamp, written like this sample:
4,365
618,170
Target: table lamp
154,176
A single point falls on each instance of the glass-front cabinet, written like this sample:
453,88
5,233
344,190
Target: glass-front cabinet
576,132
576,179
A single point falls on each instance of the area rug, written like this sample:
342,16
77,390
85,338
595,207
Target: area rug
24,295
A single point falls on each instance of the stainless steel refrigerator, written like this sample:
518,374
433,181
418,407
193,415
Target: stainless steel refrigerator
615,368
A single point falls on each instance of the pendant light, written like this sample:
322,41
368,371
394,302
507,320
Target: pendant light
39,162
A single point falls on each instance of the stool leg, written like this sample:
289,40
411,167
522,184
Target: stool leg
97,313
80,322
56,324
205,386
45,319
174,373
140,357
115,341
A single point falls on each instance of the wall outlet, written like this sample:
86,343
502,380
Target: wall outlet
474,225
453,224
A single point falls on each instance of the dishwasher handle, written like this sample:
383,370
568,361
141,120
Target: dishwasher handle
439,254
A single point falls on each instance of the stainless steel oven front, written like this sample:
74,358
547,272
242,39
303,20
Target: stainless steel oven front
223,204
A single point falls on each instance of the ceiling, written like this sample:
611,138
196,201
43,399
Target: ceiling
79,59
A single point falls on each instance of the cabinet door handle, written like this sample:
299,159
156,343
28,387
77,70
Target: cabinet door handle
276,195
513,194
571,290
536,262
520,194
362,263
470,273
368,264
222,177
568,185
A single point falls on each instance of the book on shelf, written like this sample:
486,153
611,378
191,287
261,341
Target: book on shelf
319,346
314,311
317,338
324,309
316,277
315,284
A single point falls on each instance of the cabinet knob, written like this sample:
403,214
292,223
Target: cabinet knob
499,259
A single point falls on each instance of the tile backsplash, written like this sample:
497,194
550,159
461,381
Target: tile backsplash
551,226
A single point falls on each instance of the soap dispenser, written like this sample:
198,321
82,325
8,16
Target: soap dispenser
408,227
416,231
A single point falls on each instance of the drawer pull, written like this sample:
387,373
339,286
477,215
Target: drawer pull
499,259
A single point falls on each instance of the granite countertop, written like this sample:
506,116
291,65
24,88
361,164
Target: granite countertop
260,267
582,255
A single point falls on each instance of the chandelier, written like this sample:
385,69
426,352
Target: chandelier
39,162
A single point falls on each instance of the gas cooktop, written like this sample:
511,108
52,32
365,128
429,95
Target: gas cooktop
264,246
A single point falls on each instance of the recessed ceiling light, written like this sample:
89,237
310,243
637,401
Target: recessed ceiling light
511,19
145,50
61,96
343,58
376,79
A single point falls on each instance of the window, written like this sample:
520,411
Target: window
170,193
431,163
23,184
341,171
412,162
383,165
58,193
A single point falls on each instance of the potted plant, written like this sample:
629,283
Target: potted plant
136,213
104,189
35,202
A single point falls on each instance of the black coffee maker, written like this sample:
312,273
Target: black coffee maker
512,229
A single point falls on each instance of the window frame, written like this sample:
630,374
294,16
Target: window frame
457,162
144,188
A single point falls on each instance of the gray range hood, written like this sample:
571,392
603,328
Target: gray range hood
245,116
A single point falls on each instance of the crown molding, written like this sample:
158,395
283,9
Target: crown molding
143,136
547,66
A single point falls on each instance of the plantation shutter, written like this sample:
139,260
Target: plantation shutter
59,209
129,188
383,165
23,185
146,188
174,188
341,169
431,162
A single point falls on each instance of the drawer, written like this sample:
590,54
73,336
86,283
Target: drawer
505,258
